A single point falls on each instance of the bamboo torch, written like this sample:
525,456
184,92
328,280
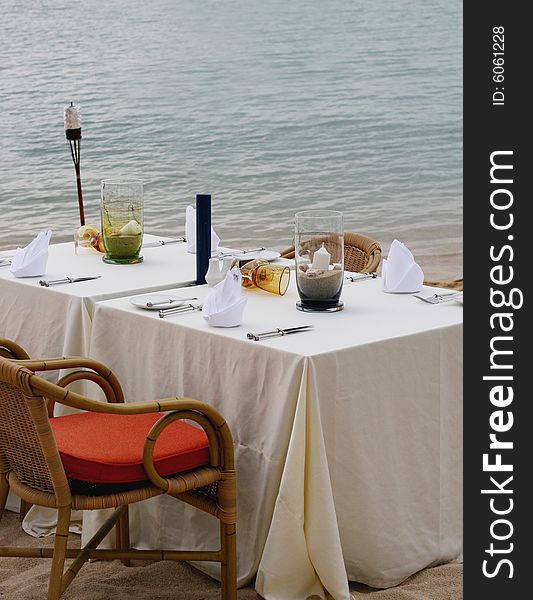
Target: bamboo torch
73,135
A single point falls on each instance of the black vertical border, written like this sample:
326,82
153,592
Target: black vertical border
489,128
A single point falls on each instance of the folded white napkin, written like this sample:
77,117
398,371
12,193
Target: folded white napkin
31,260
400,273
224,305
190,232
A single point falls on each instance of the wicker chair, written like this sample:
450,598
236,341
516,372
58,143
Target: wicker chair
361,253
34,466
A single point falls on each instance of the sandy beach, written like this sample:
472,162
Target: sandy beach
27,579
453,284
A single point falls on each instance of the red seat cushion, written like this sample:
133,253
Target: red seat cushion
108,448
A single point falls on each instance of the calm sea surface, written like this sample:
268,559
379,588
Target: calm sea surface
271,106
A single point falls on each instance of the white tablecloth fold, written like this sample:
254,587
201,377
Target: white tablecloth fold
304,520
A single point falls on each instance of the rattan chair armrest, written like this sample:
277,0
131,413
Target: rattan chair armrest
93,371
66,362
75,400
288,252
218,447
11,350
207,417
373,261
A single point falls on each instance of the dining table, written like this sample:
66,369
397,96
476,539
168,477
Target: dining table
348,435
56,320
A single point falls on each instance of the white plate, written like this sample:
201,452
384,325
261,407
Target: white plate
166,300
264,254
459,299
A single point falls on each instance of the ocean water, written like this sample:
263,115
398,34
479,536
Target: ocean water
271,106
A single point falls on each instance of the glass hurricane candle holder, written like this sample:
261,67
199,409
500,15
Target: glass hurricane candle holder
319,256
122,220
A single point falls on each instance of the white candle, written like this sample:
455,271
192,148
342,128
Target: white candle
321,259
72,117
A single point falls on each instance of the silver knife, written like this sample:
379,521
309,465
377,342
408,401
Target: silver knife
277,332
66,280
163,243
361,276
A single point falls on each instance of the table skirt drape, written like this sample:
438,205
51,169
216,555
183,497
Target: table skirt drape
348,461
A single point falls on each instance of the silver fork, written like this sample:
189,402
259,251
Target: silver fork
5,261
438,298
178,310
249,251
169,301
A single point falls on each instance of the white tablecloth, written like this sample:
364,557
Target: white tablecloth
347,437
56,321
